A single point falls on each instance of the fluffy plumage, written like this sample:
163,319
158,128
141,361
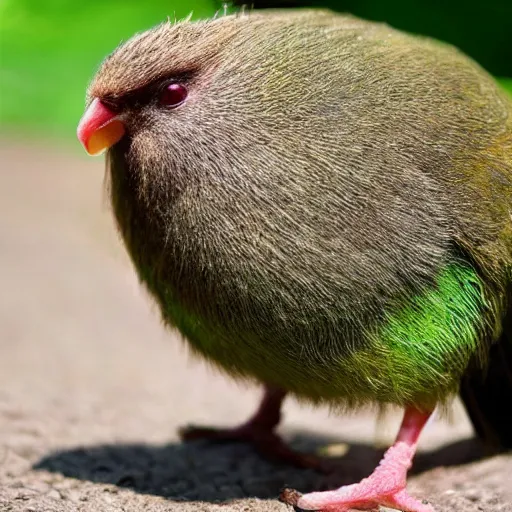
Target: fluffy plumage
328,213
327,179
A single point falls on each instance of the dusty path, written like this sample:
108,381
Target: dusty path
92,389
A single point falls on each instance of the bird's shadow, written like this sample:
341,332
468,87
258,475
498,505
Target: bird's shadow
212,472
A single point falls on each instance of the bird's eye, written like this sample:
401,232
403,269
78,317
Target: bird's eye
173,95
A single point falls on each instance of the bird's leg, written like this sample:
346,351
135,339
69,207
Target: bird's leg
385,486
259,431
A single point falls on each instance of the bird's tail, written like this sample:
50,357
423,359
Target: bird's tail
487,394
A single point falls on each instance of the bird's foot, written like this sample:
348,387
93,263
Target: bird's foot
259,431
265,441
385,486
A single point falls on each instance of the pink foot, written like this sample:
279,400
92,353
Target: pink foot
266,442
259,432
385,486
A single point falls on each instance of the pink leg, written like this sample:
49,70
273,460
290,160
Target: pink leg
385,486
259,431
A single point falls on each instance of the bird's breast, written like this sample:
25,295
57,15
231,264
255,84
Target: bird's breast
294,293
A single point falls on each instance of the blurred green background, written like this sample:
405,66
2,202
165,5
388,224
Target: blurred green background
49,49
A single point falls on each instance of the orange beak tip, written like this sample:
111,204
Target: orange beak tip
105,137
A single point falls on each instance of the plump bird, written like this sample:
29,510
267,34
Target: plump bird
323,205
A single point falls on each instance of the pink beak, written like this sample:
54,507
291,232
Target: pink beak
99,129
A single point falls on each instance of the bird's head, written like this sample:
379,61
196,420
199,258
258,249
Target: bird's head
153,87
196,96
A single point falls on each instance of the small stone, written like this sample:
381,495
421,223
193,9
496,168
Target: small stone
334,450
55,494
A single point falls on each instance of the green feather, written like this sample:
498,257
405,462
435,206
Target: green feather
426,343
417,354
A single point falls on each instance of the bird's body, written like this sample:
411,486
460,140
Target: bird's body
330,211
298,258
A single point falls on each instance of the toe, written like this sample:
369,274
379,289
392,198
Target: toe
347,499
290,497
402,500
327,500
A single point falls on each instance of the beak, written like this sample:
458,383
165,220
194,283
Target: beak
99,129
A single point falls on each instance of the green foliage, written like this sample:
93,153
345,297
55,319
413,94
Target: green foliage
50,50
507,84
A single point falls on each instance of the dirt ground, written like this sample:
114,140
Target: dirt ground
93,388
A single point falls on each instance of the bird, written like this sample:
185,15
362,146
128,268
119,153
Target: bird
322,205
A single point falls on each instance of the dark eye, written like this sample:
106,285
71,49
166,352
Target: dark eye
173,95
